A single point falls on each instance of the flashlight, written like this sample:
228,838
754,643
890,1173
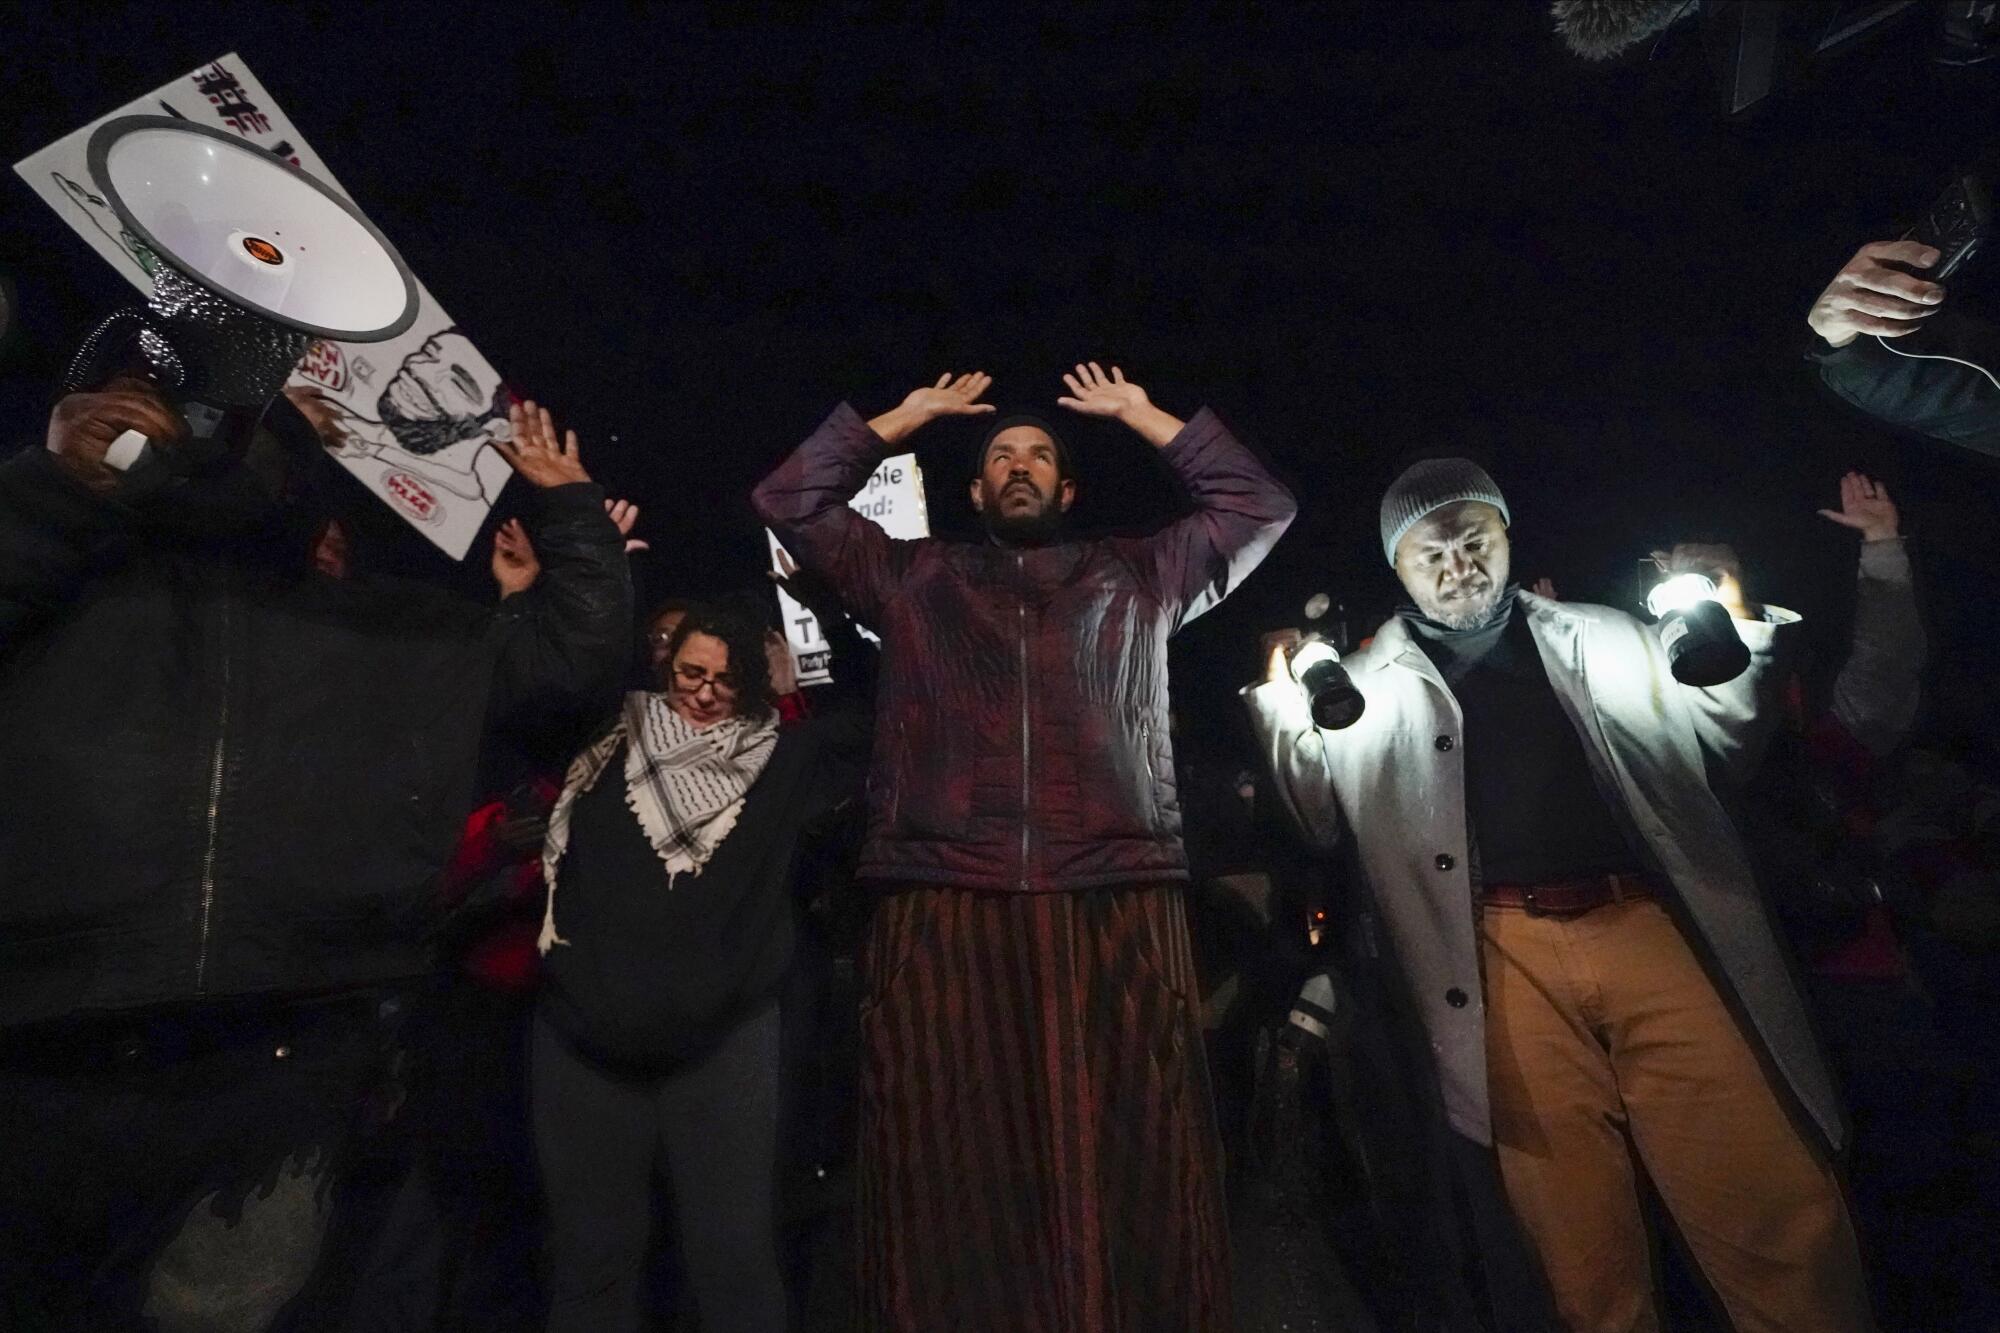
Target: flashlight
1702,645
1331,696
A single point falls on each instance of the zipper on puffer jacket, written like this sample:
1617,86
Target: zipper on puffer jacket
1152,793
211,829
1020,567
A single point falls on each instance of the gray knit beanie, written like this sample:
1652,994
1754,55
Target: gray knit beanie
1429,486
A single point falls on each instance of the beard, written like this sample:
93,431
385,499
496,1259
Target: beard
1472,610
1037,527
425,436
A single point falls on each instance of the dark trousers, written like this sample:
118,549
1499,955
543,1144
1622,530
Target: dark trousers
711,1127
180,1171
1926,1198
454,1244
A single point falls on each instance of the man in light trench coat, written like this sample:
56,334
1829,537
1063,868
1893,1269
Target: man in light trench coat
1528,796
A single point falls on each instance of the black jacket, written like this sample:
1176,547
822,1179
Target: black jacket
1942,381
647,975
226,777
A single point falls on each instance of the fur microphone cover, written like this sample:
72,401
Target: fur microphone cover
1600,29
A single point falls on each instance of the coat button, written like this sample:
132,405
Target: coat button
1444,742
1455,998
1445,861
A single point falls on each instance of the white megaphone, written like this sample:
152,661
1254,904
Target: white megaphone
256,258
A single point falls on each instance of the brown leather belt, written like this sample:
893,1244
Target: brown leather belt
1569,897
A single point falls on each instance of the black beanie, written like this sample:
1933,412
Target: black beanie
1008,422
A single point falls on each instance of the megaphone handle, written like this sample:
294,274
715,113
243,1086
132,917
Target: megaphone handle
142,470
130,448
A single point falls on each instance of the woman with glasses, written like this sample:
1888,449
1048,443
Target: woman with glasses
668,930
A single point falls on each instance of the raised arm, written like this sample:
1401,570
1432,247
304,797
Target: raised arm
565,638
805,500
1240,509
58,505
1876,695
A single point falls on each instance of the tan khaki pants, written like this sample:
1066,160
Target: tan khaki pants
1605,1039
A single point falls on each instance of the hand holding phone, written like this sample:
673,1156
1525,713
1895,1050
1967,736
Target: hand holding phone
1956,225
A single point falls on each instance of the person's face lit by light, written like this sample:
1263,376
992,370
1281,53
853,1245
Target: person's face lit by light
1454,563
701,688
1021,488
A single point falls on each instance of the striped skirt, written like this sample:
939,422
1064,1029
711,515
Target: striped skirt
1038,1150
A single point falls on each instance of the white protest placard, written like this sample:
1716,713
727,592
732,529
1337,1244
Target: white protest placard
420,411
893,499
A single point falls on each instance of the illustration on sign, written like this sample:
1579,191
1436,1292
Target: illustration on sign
434,419
422,441
96,211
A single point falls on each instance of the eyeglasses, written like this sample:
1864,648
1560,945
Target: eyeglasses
692,678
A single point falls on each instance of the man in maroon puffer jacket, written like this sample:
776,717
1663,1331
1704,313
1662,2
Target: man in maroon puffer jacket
1038,1148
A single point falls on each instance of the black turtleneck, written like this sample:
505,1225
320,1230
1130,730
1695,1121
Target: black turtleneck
1536,812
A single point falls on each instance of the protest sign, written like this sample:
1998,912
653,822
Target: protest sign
419,412
893,499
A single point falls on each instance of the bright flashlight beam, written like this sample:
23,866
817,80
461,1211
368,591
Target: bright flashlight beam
1311,655
1679,593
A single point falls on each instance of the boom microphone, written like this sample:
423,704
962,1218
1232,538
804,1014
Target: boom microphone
1601,29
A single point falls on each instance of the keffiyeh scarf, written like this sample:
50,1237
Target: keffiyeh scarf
684,784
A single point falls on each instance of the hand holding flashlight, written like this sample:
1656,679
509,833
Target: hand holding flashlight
1719,564
1314,664
1278,646
1694,614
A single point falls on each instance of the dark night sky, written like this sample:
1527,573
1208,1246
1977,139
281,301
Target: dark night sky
1356,230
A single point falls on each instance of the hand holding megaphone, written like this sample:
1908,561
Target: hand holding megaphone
255,259
96,436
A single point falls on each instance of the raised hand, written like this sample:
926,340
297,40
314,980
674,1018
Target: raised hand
1869,296
625,515
327,418
535,453
951,396
784,667
515,564
1866,507
1096,394
806,588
